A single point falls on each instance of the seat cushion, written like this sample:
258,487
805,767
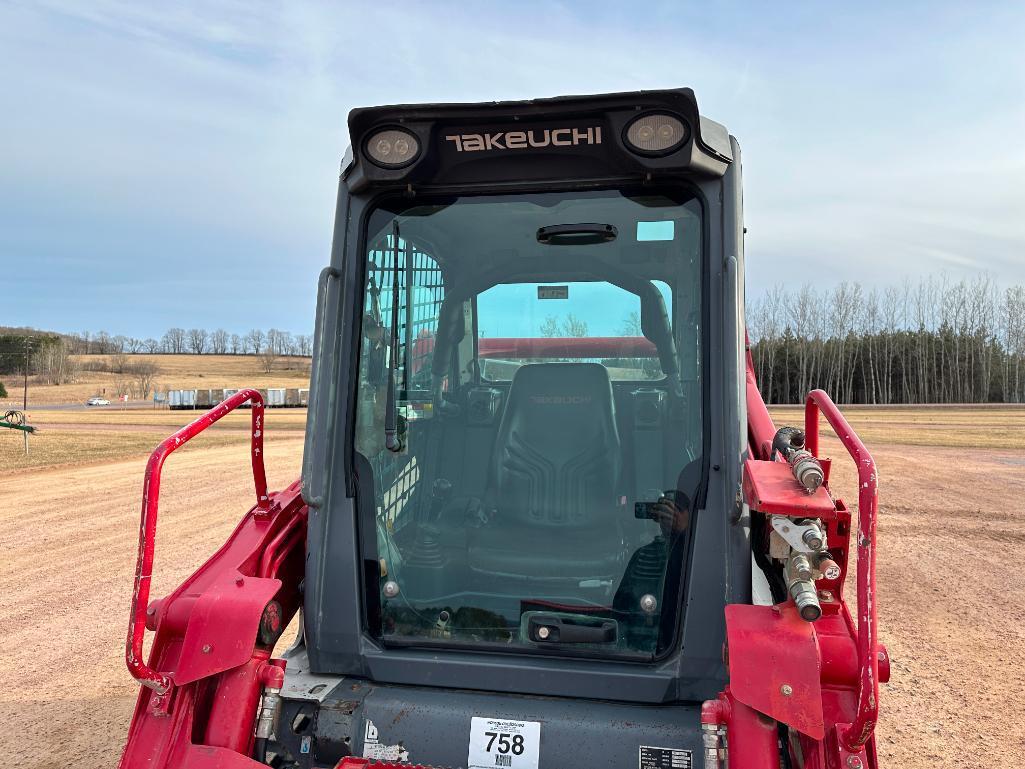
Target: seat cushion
517,552
556,462
553,491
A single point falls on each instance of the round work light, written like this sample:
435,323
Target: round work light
656,134
392,148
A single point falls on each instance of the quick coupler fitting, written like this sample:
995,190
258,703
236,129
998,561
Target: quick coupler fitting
807,470
807,599
801,585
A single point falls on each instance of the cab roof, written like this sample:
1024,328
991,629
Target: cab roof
596,124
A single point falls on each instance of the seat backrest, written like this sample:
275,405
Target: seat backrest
556,462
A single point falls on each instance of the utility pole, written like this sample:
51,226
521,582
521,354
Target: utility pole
24,401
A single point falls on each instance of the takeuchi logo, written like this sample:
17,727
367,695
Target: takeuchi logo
560,400
521,140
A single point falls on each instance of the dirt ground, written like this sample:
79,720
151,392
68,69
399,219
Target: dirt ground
68,538
951,603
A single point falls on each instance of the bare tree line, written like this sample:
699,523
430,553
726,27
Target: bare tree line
195,341
47,358
39,354
569,326
937,341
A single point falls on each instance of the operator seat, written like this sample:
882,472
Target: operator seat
551,508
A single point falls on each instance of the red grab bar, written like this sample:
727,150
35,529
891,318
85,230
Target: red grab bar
855,735
140,671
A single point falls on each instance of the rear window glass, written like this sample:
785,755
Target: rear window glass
594,322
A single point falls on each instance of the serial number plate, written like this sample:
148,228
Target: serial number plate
498,743
664,758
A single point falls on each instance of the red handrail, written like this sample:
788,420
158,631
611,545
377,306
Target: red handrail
855,735
140,671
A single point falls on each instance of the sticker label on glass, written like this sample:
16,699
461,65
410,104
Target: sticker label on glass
647,231
553,292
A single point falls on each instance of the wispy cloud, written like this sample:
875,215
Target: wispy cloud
148,152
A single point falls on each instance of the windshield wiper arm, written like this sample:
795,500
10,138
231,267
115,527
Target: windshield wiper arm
392,441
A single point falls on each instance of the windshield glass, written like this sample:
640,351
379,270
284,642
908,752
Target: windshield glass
529,418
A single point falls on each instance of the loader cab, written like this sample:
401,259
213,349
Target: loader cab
526,423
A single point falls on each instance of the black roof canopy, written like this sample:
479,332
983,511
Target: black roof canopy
560,139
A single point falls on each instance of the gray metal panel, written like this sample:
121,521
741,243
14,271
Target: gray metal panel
736,426
318,449
434,726
700,664
527,674
716,138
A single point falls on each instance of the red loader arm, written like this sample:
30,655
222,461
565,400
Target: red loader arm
820,678
210,658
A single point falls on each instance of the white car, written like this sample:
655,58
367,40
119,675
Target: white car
97,401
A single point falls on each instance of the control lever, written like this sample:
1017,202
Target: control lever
441,492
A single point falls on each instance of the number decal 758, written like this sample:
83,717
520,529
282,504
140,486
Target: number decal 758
504,743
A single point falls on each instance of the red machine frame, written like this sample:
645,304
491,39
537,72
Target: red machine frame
210,659
207,668
140,671
835,713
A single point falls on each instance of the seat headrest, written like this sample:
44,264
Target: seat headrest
562,384
561,404
557,454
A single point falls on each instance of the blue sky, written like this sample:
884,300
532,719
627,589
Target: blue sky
176,163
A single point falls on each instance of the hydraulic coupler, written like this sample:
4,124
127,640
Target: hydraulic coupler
800,578
789,442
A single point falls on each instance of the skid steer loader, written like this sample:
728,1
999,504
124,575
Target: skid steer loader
544,520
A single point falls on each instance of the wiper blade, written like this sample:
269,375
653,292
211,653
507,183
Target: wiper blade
392,441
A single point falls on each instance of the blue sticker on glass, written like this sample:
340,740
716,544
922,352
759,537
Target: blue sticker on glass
655,230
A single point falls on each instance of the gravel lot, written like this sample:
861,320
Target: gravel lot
951,608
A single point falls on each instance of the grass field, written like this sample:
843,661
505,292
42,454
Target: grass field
69,438
969,426
176,372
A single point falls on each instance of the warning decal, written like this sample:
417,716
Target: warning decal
375,750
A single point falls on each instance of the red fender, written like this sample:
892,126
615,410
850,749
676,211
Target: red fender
775,666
